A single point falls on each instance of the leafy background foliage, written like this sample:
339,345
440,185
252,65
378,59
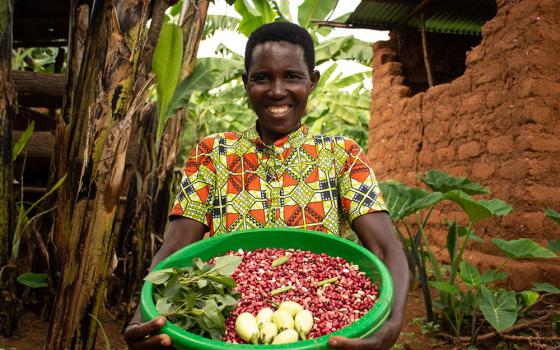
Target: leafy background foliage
214,97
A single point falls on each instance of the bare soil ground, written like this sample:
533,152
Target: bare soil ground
31,333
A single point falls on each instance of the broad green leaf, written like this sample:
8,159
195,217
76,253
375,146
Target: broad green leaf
445,287
545,288
225,280
523,248
159,277
491,276
402,200
528,297
497,206
469,273
438,180
253,17
475,210
554,245
314,10
33,280
552,214
265,10
22,141
208,73
331,49
166,64
500,312
225,265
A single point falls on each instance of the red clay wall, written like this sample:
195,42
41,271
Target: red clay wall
497,124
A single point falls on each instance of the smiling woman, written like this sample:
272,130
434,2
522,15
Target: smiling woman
278,83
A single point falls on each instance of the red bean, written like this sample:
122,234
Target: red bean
334,306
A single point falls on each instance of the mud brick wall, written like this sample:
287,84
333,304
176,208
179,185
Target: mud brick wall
497,124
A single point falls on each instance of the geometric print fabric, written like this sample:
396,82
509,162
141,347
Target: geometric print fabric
233,181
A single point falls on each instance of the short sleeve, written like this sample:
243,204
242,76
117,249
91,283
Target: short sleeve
194,195
358,188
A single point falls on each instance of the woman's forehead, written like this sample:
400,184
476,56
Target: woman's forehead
277,53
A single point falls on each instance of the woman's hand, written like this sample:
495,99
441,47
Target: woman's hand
383,339
145,335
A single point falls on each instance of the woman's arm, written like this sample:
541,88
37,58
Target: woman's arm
375,231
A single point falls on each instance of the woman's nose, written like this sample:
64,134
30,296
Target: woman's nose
278,88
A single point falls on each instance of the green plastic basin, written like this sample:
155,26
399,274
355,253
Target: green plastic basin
278,238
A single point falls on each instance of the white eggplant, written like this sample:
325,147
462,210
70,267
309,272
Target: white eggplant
291,306
246,327
264,315
285,337
268,332
303,323
283,320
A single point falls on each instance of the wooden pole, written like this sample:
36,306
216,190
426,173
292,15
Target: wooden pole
425,52
7,112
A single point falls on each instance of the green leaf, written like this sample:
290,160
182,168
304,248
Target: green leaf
163,306
403,201
475,210
545,288
225,265
225,280
528,297
215,23
314,10
22,141
440,181
445,287
554,245
253,17
500,312
166,65
523,248
469,274
159,277
33,280
202,283
552,214
491,276
497,206
208,73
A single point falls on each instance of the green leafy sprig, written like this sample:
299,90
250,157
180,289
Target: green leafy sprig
197,298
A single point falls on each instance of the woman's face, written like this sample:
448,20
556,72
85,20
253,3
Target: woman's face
278,84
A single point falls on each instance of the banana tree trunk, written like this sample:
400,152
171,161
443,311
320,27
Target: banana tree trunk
7,113
99,122
151,180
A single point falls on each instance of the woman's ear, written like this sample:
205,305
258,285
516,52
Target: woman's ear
314,77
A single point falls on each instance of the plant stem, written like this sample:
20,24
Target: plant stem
281,290
327,281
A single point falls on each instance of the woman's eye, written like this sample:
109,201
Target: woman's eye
258,78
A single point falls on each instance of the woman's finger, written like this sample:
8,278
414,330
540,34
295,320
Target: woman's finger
137,332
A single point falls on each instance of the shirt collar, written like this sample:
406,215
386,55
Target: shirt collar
295,139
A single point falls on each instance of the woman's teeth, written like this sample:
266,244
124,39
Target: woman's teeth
278,109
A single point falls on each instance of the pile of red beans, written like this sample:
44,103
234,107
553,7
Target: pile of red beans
334,305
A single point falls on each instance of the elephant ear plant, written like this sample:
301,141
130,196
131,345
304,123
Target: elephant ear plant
467,298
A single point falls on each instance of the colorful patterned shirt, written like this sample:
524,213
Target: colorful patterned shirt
233,181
